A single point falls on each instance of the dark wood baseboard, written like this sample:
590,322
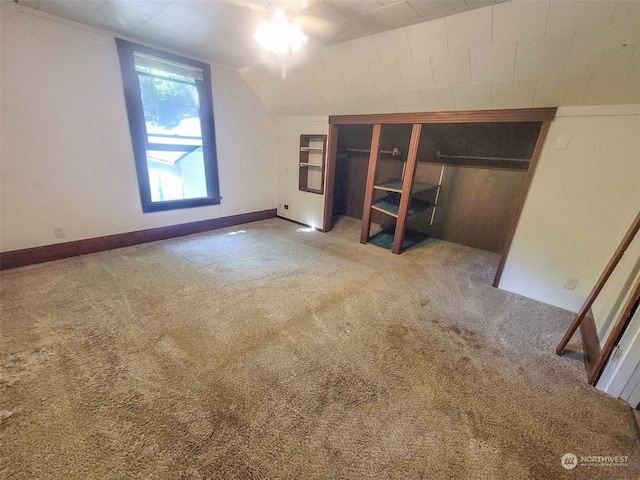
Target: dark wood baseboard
300,223
58,251
590,342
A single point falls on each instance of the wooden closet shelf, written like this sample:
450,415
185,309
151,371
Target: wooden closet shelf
396,186
391,205
311,163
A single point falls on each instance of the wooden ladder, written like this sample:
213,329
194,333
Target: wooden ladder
405,193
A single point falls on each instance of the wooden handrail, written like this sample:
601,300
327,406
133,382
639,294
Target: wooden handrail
616,333
617,256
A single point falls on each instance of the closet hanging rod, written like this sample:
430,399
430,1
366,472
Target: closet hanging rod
395,152
440,155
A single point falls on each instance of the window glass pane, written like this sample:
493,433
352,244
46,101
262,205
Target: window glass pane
174,139
176,175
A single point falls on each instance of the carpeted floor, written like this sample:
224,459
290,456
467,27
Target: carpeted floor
268,351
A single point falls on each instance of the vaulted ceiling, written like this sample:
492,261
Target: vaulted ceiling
221,30
518,54
385,56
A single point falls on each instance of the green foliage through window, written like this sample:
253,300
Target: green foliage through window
166,103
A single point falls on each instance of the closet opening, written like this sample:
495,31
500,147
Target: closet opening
462,178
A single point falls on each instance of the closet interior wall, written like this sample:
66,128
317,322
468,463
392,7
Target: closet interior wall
351,169
478,200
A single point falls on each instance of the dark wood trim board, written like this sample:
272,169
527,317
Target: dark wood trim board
473,116
58,251
330,176
317,229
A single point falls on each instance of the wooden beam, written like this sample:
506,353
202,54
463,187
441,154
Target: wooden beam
521,199
474,116
405,197
626,241
330,176
616,333
371,178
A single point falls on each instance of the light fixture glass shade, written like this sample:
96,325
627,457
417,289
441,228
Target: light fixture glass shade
280,36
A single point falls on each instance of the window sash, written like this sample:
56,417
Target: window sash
144,60
128,54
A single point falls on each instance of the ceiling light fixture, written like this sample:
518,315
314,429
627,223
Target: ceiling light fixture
280,36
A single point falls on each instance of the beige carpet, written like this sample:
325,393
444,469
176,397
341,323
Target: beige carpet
267,351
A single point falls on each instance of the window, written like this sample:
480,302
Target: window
170,109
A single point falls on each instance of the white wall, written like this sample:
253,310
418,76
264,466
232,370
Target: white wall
66,155
304,207
580,204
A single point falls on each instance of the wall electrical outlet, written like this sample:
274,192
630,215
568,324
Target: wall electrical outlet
571,283
286,207
59,232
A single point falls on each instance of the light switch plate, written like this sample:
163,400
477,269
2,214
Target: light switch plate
563,142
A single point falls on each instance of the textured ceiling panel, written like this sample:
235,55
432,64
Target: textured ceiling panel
402,55
510,55
222,30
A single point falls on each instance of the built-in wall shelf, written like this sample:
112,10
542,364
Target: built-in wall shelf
313,150
390,205
396,186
